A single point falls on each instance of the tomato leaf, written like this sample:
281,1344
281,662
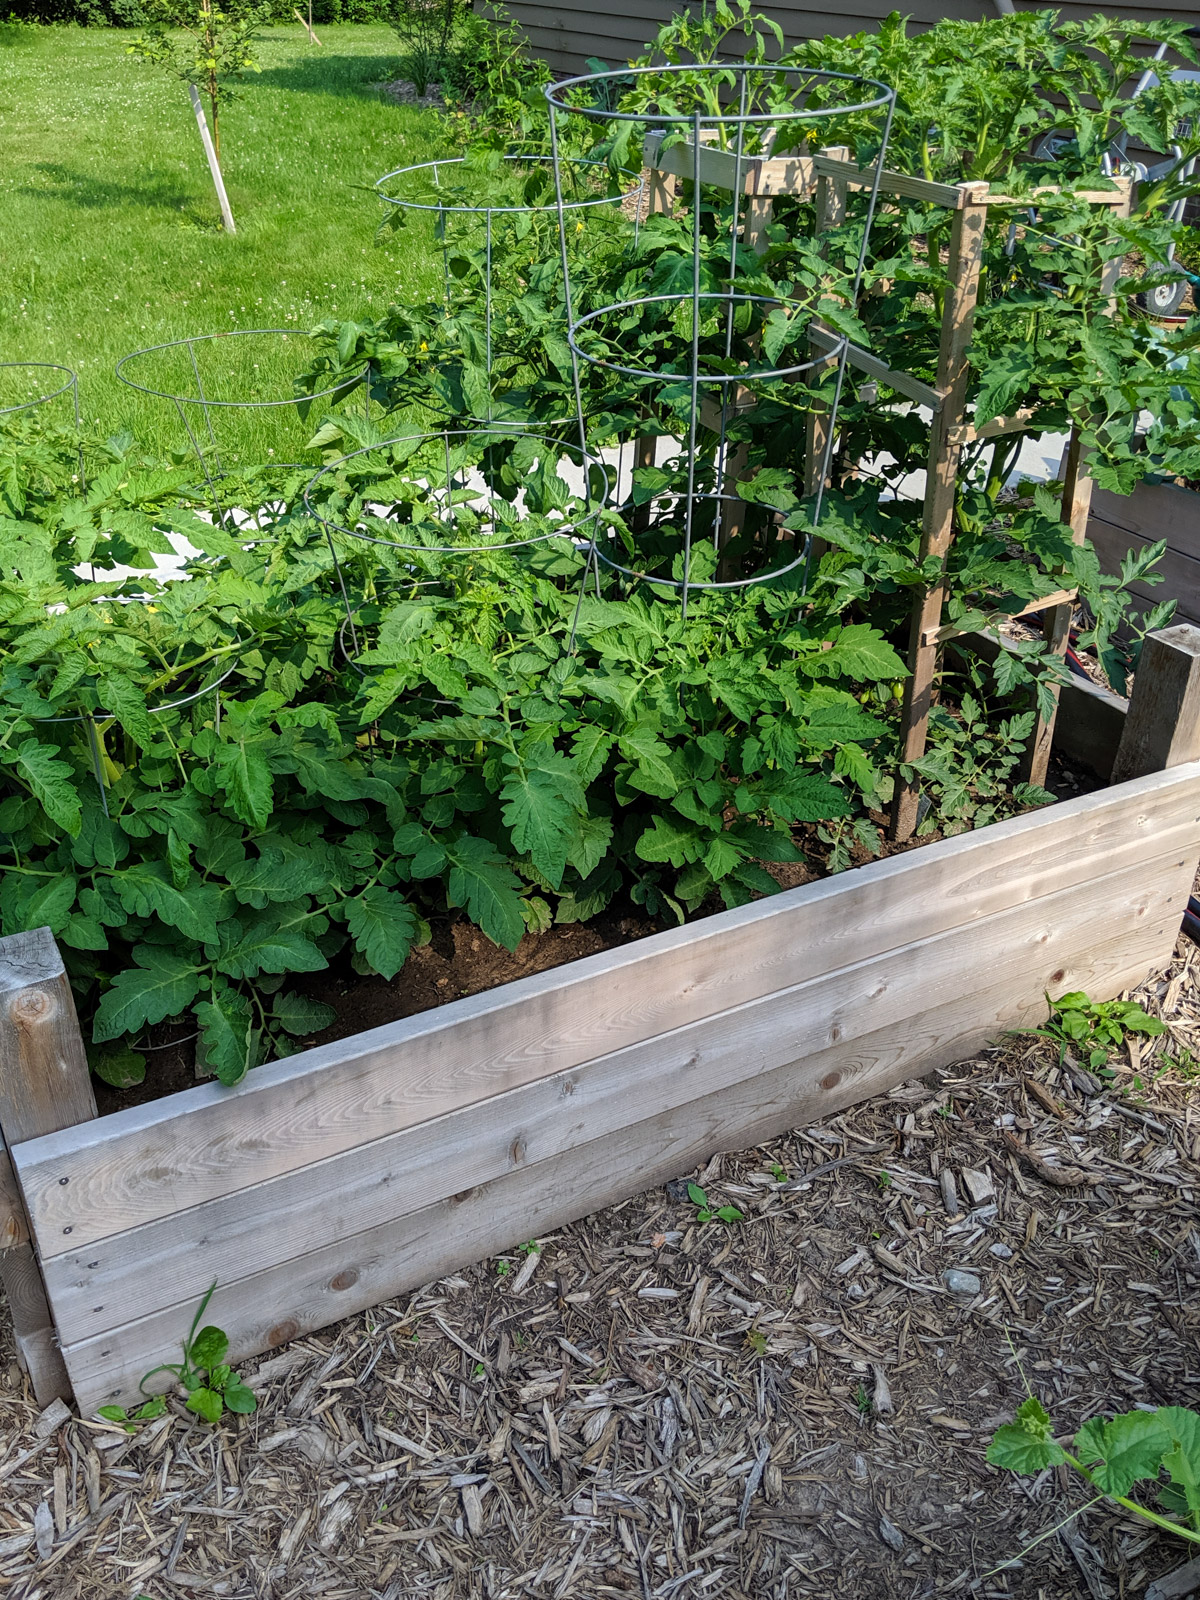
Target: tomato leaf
226,1034
384,926
481,880
161,983
50,781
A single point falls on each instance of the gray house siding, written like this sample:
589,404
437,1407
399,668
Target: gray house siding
567,33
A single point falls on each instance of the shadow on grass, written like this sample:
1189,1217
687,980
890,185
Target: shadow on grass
340,75
91,193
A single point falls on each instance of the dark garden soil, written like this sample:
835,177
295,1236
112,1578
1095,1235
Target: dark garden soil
460,961
642,1407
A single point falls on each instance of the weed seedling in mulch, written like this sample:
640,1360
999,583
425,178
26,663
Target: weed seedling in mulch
212,1386
1095,1028
708,1213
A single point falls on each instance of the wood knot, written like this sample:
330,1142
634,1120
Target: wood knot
282,1332
516,1151
345,1280
831,1080
461,1197
31,1005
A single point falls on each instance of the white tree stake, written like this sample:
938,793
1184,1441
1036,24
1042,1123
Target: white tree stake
213,164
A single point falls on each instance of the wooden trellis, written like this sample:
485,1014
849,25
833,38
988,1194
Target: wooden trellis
827,179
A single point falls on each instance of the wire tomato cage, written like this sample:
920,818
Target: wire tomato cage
89,719
737,137
186,373
591,189
69,386
487,484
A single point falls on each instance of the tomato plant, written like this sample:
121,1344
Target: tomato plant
208,793
322,738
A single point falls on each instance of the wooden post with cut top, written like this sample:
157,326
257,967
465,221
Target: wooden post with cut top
1162,728
830,209
45,1085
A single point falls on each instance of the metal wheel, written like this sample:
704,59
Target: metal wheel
1166,299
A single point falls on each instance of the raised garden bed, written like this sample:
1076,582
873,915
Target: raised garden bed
338,1178
383,726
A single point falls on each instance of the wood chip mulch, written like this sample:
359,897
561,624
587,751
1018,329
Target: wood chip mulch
642,1405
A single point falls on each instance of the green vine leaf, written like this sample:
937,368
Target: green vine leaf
1026,1445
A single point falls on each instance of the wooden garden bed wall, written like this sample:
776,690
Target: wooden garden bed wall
346,1175
1120,523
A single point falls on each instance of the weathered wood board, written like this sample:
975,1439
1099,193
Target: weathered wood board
44,1084
185,1149
342,1176
1120,523
113,1280
368,1268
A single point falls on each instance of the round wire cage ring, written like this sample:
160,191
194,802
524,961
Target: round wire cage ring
603,108
833,344
202,398
447,489
70,386
458,208
89,719
197,394
167,705
721,500
442,208
457,491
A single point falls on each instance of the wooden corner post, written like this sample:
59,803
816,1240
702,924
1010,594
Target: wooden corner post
945,451
1162,728
45,1085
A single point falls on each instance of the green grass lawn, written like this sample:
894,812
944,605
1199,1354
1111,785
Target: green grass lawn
112,239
